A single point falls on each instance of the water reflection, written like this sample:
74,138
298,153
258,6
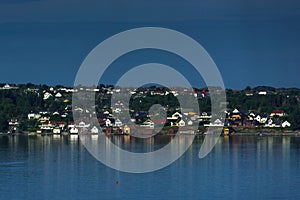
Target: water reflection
43,167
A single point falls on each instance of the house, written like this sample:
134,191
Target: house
56,130
273,122
106,112
190,123
13,125
257,118
175,116
108,123
47,95
251,116
61,125
204,116
44,118
55,113
95,130
217,122
262,93
286,124
126,129
58,95
148,124
279,113
7,87
74,130
118,123
159,121
181,123
235,115
82,125
46,126
32,116
117,110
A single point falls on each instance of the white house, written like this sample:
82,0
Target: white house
56,130
286,124
264,120
58,95
279,113
82,125
272,123
55,113
95,130
74,130
148,124
47,95
33,116
235,111
181,123
176,115
257,118
117,110
108,123
217,122
190,123
118,123
262,93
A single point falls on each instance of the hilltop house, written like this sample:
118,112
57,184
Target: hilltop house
47,95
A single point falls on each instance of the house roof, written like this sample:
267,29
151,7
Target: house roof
278,111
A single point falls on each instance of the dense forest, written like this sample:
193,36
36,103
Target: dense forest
20,100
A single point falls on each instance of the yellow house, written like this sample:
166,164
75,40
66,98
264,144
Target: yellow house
44,119
126,130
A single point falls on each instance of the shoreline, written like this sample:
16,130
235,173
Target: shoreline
238,131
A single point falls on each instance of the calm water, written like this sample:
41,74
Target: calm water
237,168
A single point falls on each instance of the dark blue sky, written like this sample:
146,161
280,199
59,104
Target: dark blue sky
255,42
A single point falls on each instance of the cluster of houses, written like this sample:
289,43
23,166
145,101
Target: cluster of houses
274,119
109,121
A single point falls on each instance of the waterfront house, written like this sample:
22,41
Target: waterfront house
126,129
273,122
82,125
235,115
56,130
217,122
95,130
181,123
279,113
13,125
190,123
286,124
148,124
118,123
204,116
74,130
46,126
